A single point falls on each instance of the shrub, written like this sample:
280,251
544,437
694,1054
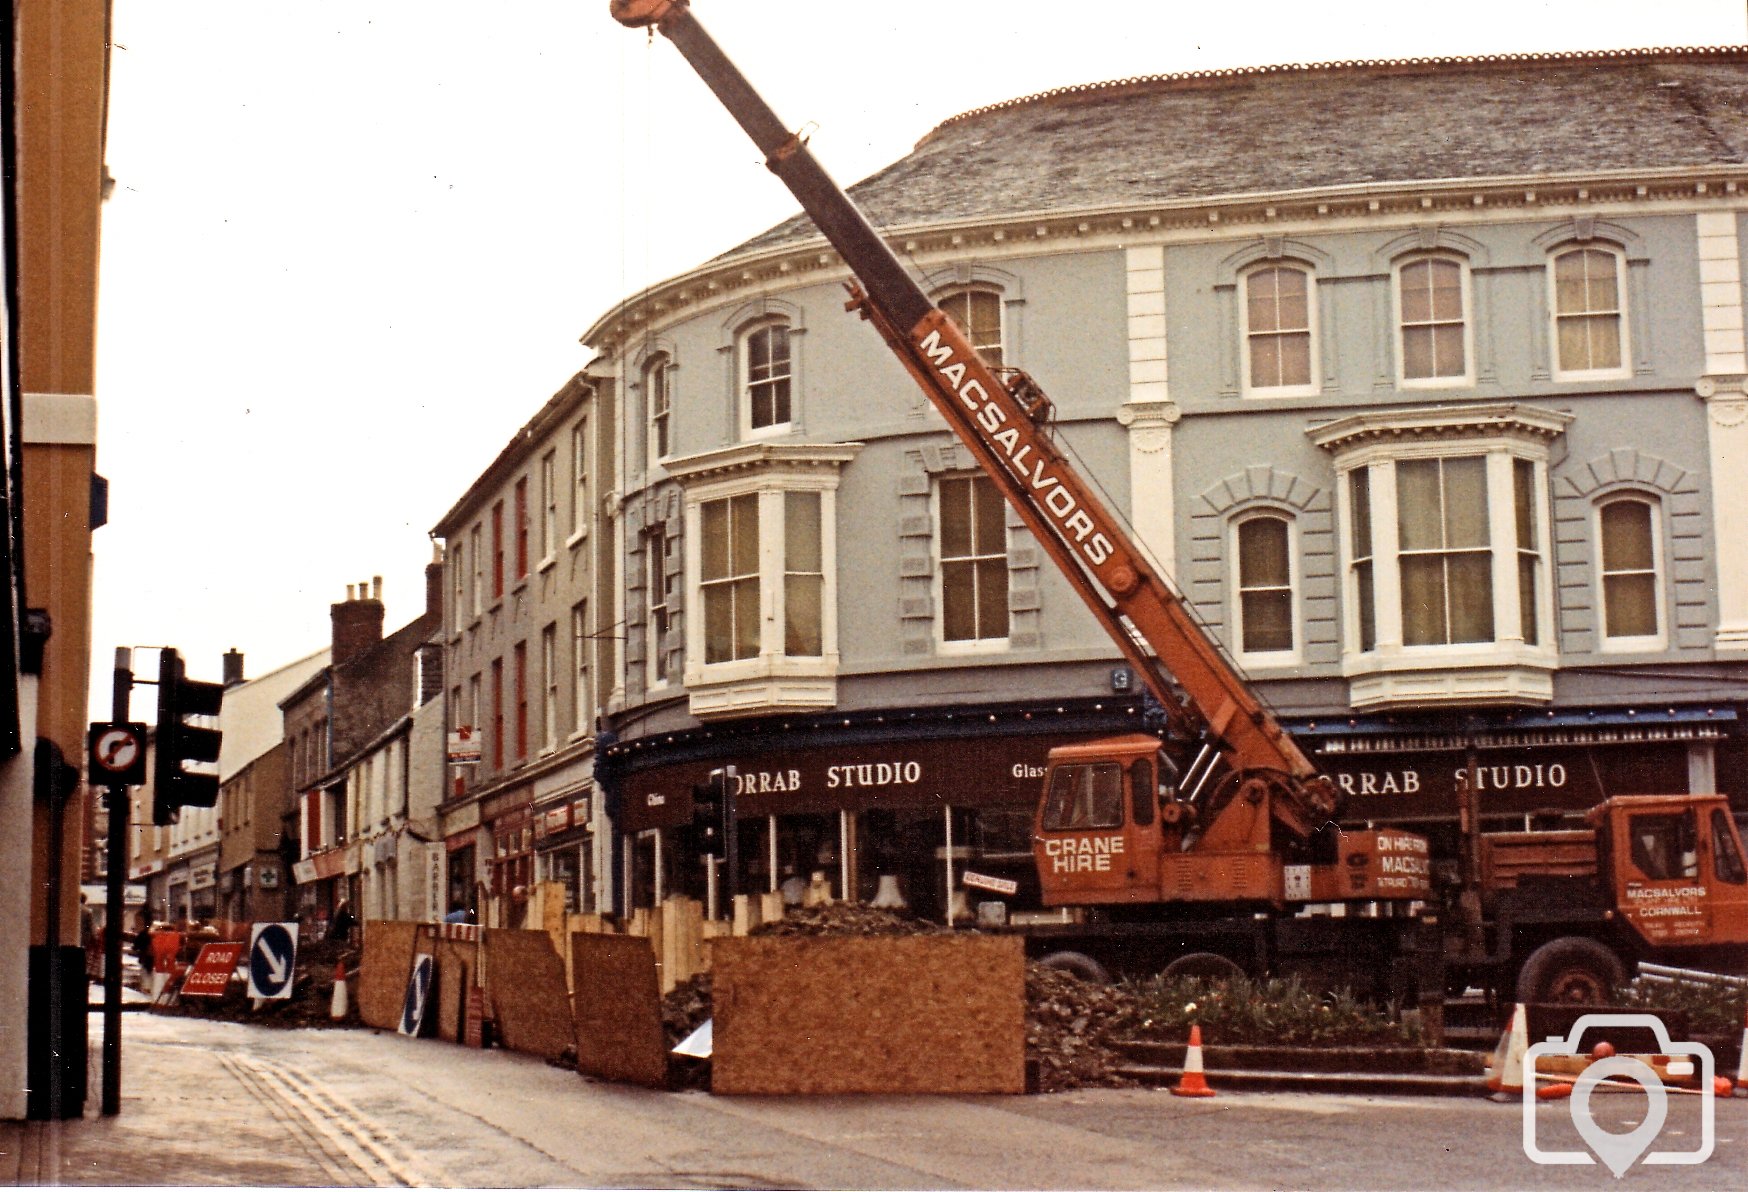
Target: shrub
1711,1008
1283,1012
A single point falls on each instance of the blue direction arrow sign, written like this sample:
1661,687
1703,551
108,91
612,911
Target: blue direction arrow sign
272,960
418,991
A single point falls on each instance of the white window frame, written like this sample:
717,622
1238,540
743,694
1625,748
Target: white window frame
461,582
655,599
658,377
1638,643
770,680
1625,367
1250,388
582,670
476,549
549,689
744,382
1263,659
1504,669
981,645
548,510
1398,338
580,512
945,296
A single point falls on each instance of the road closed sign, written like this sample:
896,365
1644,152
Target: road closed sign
272,960
212,969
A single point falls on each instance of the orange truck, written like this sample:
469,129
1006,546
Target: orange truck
1215,845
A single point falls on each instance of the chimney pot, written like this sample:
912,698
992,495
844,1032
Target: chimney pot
376,587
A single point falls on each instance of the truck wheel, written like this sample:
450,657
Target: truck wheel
1571,969
1079,964
1205,966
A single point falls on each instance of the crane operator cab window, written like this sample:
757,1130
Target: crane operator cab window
1665,847
1085,796
1726,857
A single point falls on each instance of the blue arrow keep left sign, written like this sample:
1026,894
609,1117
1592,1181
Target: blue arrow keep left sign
272,960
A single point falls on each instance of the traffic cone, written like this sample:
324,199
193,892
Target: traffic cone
1192,1083
1505,1075
1742,1065
339,1006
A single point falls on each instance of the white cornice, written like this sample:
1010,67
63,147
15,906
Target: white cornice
1512,419
1448,201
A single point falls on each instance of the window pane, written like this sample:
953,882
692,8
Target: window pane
1265,361
746,617
1523,495
718,623
1368,610
958,601
1423,600
1465,501
1268,620
992,598
713,540
801,626
1419,519
955,517
743,534
1417,292
1526,598
1447,290
1447,351
1626,536
1360,487
1262,553
1470,588
1295,354
990,536
1417,352
801,532
1726,857
1630,603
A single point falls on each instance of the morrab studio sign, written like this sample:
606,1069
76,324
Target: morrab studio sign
983,772
1394,786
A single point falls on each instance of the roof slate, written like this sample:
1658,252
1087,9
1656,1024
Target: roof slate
1200,136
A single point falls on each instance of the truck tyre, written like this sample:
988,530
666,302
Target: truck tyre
1079,964
1206,966
1571,969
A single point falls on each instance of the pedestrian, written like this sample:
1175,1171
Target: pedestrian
340,928
90,940
143,946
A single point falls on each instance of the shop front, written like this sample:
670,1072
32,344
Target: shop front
930,824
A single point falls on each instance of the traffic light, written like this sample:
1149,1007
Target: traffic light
181,745
708,803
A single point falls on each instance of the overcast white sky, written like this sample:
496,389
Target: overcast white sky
352,244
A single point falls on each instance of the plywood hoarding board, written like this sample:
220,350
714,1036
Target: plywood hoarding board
916,1014
618,1009
382,978
525,983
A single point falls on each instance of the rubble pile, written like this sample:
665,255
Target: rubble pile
1071,1029
310,1003
845,918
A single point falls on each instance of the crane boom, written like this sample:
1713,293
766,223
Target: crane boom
1001,419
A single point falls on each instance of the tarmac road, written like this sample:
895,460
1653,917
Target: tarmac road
212,1103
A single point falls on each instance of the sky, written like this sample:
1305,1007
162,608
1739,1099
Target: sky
352,245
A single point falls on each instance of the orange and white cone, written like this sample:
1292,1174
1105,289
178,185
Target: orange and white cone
1192,1083
1505,1074
1742,1066
339,1006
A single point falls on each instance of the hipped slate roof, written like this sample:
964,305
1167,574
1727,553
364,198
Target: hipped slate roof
1277,129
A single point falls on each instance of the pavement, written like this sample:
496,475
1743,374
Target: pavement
187,1118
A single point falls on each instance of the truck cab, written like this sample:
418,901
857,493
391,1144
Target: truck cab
1675,868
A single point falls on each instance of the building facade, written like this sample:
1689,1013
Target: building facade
1424,380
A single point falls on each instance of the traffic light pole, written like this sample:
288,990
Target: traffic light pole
120,814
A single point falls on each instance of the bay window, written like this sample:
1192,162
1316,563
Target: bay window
1445,537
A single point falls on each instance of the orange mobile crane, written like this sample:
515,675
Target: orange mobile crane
1196,849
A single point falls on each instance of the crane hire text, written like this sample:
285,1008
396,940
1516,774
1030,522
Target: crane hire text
1073,523
1082,854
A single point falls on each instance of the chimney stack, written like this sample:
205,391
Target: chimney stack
357,623
233,667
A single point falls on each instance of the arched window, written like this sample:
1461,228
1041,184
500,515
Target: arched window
1265,585
1589,332
658,401
1432,306
1627,541
766,371
978,313
1278,328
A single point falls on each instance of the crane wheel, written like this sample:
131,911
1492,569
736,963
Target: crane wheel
1204,966
1079,964
1572,969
